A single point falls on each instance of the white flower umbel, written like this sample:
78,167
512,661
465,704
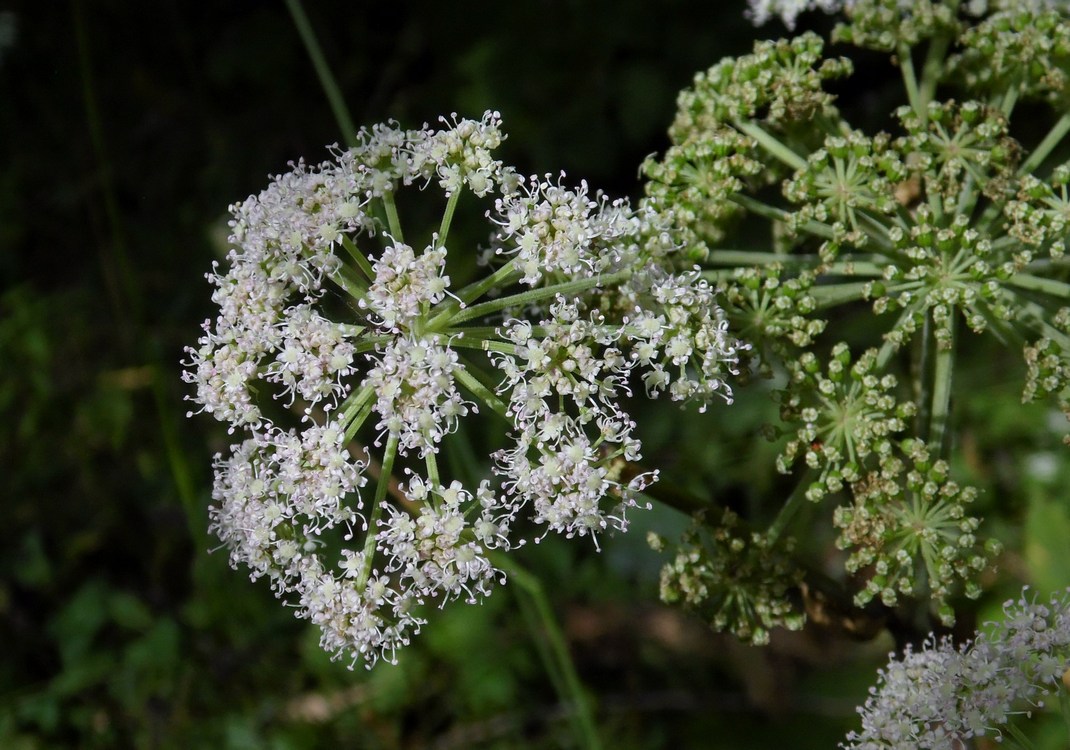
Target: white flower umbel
343,354
761,11
940,697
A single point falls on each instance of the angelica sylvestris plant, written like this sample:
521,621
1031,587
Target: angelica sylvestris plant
345,357
862,264
940,697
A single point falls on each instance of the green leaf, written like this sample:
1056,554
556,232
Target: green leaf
127,611
80,621
1047,543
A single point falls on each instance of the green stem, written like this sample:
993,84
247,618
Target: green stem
482,392
346,278
352,403
371,343
470,293
1039,317
856,268
749,258
772,145
795,501
550,663
534,295
888,348
968,196
176,458
1058,289
477,289
729,257
323,71
123,289
362,262
358,419
1019,736
392,217
830,295
776,214
725,257
381,486
1043,264
1046,146
1064,709
923,367
1010,98
447,217
472,342
575,694
432,471
941,395
878,231
351,330
356,411
474,333
910,80
931,70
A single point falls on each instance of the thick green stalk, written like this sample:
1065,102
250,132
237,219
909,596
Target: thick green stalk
371,343
377,509
550,662
888,348
1046,146
356,411
1064,707
176,458
323,71
777,214
931,71
943,362
125,294
482,392
432,470
747,258
446,310
878,231
1058,289
1019,736
534,295
830,295
487,345
473,333
772,145
791,506
923,357
123,289
357,421
477,289
358,257
1010,98
349,282
352,403
910,80
447,217
392,220
575,694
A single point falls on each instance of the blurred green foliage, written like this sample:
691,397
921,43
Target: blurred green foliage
125,131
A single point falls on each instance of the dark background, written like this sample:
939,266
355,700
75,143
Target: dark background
126,129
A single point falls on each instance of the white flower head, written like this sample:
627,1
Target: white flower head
332,319
939,697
